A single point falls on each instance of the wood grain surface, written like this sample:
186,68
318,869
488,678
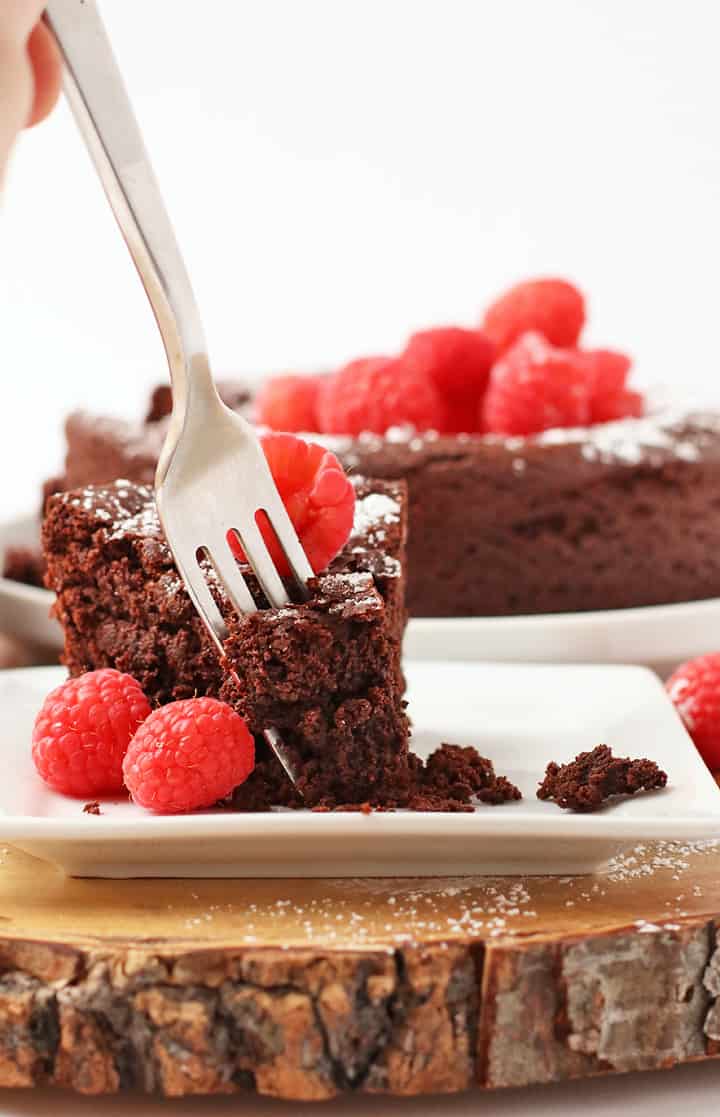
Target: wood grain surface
306,989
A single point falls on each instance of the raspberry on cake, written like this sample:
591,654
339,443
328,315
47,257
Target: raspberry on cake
625,404
614,511
610,398
457,362
535,386
375,394
288,403
551,307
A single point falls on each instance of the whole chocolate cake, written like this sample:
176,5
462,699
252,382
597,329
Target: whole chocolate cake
621,514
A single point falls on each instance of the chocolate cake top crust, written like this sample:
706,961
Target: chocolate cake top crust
619,515
667,434
592,778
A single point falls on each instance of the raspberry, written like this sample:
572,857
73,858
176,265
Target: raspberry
83,730
609,398
622,405
376,393
457,362
188,755
606,369
695,691
552,307
535,386
287,403
319,498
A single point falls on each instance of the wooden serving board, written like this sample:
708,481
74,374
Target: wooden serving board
306,989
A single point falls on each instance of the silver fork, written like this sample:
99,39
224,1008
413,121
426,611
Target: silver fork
212,477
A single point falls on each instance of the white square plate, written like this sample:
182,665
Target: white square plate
521,716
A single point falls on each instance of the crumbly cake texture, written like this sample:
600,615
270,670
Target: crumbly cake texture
326,673
454,779
24,564
592,778
617,515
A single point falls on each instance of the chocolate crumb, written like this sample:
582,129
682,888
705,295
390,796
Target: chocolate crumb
588,781
461,773
92,808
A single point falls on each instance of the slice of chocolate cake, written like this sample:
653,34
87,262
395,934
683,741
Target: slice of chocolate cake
326,672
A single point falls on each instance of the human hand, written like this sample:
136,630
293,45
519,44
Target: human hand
29,70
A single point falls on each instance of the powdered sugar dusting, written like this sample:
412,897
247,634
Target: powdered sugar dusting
350,595
666,431
125,507
376,914
145,522
373,513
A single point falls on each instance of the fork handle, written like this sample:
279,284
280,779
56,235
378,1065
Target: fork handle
96,93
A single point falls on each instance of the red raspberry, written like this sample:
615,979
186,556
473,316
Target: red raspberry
623,405
695,691
535,386
287,403
457,362
553,307
376,393
319,498
609,398
606,369
187,755
83,730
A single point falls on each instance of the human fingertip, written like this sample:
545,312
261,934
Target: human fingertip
47,72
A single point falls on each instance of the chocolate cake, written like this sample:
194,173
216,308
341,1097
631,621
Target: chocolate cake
326,672
606,517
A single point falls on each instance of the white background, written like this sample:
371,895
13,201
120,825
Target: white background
340,172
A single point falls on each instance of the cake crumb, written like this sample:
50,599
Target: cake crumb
92,808
453,776
588,781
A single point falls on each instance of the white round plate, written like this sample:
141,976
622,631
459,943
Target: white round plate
25,610
659,637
